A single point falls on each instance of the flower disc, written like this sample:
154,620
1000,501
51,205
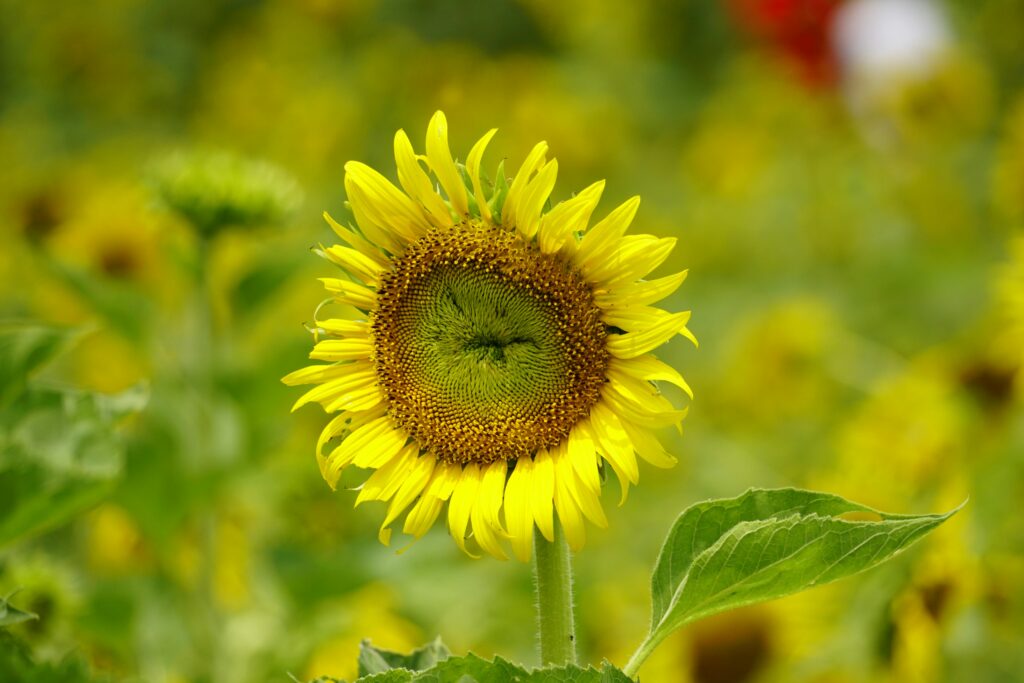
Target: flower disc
486,348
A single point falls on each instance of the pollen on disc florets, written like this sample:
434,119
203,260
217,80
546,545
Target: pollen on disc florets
485,347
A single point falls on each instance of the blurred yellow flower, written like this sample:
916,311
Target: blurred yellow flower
108,363
115,545
505,358
115,235
911,428
946,579
372,617
231,562
781,351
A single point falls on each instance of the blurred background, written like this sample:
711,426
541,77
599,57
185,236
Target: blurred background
846,180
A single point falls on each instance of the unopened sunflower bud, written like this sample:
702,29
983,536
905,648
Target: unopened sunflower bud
215,190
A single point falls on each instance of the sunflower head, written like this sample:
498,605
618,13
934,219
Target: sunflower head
500,359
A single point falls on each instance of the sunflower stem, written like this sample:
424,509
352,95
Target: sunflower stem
552,572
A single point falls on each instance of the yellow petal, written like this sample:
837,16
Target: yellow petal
388,208
344,328
388,478
533,161
582,451
356,399
634,318
651,410
633,257
315,374
613,441
347,292
446,476
487,529
338,425
376,449
541,496
353,378
355,262
621,474
532,201
650,369
422,516
461,504
569,514
367,216
633,344
518,508
602,239
639,293
560,225
370,445
473,169
342,349
413,483
439,156
647,446
641,254
585,498
416,183
426,510
345,421
356,241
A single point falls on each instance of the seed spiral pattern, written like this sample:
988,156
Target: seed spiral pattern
486,348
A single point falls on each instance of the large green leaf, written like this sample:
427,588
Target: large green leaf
433,664
765,544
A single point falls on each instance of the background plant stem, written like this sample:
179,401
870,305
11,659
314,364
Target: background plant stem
552,571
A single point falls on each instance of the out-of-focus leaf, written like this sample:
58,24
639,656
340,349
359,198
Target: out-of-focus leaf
263,280
24,348
765,544
123,307
60,452
12,615
16,666
373,660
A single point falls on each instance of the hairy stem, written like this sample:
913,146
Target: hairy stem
552,571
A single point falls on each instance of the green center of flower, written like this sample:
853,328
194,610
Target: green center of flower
486,348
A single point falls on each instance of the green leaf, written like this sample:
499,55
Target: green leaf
24,348
433,664
60,453
16,665
263,280
12,615
373,660
766,544
473,669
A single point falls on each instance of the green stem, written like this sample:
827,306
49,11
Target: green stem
632,667
552,571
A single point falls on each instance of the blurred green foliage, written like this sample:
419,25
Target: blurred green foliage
854,288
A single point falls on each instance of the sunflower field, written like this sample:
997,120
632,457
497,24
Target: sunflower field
303,366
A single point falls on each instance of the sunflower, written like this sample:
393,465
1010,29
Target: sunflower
502,359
